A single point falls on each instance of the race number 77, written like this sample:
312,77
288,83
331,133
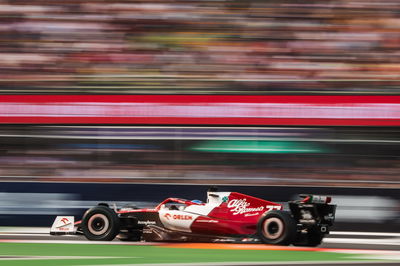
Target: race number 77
273,207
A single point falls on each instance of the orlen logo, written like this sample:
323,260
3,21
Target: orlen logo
178,216
167,216
182,217
240,206
65,220
62,223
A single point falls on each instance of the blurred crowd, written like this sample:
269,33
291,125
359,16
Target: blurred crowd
219,46
264,156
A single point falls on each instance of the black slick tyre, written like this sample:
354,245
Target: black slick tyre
313,238
310,238
100,223
277,228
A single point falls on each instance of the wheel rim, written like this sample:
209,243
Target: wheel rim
273,228
98,224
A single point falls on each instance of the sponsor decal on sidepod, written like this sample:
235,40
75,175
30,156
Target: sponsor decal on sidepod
241,206
178,217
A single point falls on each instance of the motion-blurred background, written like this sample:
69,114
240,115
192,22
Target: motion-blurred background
308,54
222,46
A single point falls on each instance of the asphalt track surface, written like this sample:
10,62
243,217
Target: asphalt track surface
342,240
337,240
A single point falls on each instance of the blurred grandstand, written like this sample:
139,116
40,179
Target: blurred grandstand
277,97
341,157
200,47
176,47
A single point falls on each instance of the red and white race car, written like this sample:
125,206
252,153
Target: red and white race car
226,216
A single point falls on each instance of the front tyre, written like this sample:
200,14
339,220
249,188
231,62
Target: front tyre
100,223
277,228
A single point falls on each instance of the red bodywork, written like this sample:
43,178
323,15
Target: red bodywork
238,216
232,214
226,216
235,214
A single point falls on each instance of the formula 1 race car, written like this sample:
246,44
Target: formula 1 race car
226,216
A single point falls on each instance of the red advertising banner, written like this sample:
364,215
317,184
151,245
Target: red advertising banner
201,110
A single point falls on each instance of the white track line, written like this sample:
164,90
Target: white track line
24,230
46,231
24,234
364,241
19,257
364,233
77,242
391,239
260,263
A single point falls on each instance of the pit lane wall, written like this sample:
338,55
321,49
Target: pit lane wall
37,203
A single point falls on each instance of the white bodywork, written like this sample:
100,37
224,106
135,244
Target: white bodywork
63,225
182,220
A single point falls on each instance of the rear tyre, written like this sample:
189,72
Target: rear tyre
277,228
313,238
100,223
310,238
